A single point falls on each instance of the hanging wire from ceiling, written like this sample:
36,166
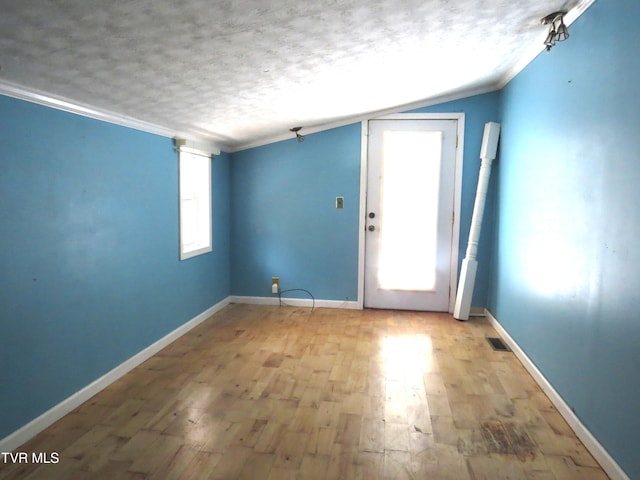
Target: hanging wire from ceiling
296,130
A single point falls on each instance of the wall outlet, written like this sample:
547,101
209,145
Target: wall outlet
275,284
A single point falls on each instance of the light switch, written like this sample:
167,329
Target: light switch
339,202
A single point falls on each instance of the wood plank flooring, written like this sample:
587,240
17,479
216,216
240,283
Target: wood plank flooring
262,392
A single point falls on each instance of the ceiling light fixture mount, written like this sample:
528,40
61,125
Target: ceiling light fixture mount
296,130
557,30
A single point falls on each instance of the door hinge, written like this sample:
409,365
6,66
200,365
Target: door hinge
453,217
456,141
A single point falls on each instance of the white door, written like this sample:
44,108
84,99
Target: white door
409,214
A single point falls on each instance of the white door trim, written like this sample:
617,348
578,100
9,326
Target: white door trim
457,195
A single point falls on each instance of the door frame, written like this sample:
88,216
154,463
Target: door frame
457,195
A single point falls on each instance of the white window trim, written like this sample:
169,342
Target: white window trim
186,153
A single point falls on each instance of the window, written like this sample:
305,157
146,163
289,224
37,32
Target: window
195,203
410,182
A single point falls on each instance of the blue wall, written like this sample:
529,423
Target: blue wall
285,223
565,280
284,220
89,269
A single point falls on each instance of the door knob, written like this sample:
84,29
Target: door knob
371,228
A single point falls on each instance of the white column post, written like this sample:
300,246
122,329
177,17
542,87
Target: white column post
470,264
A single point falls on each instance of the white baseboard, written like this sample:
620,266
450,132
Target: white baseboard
296,302
35,426
605,460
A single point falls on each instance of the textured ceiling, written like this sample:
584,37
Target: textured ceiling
243,72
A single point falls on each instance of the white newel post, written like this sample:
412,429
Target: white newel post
470,264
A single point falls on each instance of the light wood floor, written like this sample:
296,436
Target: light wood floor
268,393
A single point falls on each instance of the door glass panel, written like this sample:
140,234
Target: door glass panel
410,184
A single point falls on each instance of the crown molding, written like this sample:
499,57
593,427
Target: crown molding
60,103
368,116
